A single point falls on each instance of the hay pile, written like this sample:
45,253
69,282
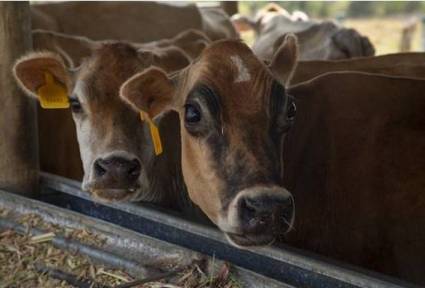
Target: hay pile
22,255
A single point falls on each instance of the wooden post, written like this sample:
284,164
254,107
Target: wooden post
18,123
230,7
407,34
423,33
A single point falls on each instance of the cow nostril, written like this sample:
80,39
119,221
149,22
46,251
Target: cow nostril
134,169
99,168
264,213
253,214
248,207
117,169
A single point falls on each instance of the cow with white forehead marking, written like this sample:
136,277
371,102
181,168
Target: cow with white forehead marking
116,148
234,113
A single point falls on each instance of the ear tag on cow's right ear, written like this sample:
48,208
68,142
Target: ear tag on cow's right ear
156,139
52,95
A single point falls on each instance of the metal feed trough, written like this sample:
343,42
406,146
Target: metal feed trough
141,232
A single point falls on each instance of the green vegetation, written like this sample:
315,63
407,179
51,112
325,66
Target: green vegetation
341,8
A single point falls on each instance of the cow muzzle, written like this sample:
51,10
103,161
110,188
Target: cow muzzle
115,178
258,215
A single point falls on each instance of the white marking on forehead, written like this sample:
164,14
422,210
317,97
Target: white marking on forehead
243,72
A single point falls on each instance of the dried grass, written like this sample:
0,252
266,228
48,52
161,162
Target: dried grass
20,253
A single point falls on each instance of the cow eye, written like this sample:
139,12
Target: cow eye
75,105
292,111
192,114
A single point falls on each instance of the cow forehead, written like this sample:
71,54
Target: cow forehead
106,69
240,80
222,50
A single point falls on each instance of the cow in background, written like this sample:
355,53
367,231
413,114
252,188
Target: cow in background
354,161
131,21
410,65
317,40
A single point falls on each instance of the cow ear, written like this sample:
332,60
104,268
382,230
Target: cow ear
243,23
285,59
147,57
30,71
195,48
170,59
72,48
150,91
352,43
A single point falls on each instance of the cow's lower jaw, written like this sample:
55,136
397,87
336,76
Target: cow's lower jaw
248,241
114,195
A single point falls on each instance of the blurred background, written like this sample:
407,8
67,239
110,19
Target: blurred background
392,26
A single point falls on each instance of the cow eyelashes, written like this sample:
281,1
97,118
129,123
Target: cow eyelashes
285,118
75,104
292,111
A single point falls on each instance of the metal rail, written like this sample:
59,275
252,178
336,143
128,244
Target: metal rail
288,265
123,248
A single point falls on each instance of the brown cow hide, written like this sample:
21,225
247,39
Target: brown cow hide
355,163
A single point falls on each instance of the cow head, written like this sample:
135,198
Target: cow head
261,20
115,146
234,113
348,43
327,40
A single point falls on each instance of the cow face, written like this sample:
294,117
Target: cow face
116,148
234,114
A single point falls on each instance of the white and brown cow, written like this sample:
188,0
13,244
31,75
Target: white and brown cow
64,144
116,148
234,113
317,40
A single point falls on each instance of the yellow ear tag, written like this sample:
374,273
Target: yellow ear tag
156,139
52,95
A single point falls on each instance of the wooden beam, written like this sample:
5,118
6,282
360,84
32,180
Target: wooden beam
18,123
230,7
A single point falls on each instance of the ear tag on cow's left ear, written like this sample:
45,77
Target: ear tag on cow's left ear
156,139
52,95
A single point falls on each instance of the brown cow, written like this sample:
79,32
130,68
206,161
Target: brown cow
130,21
355,163
411,65
116,149
64,143
354,158
234,114
317,40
